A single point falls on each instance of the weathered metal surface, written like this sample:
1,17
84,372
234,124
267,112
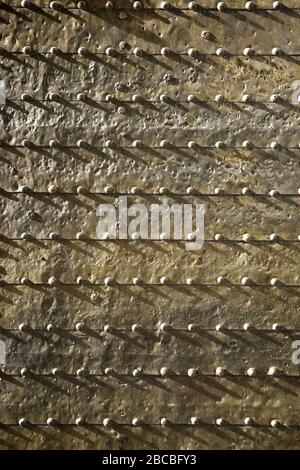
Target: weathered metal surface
177,168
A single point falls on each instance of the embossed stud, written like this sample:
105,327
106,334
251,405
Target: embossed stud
27,143
135,236
26,97
26,236
218,237
220,327
109,423
246,191
249,52
137,144
54,97
109,371
189,190
165,372
219,99
221,6
28,4
247,237
275,282
274,193
248,327
137,99
219,191
137,6
221,52
80,421
139,52
164,98
83,51
192,145
56,51
58,7
165,327
163,189
138,372
191,236
276,327
193,328
54,236
80,281
110,144
166,52
274,237
194,420
165,5
251,372
163,280
220,372
193,53
277,51
109,5
27,50
53,281
25,281
52,189
221,421
275,423
24,328
111,52
81,327
82,372
164,143
275,98
249,421
165,422
52,421
137,328
57,372
221,280
109,189
274,371
164,236
250,6
194,6
192,372
51,328
54,144
137,422
25,372
23,422
81,236
275,145
82,5
137,281
190,281
247,144
246,99
246,281
277,5
220,145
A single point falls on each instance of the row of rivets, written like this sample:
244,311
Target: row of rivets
164,372
163,281
163,144
138,5
163,98
162,191
110,423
